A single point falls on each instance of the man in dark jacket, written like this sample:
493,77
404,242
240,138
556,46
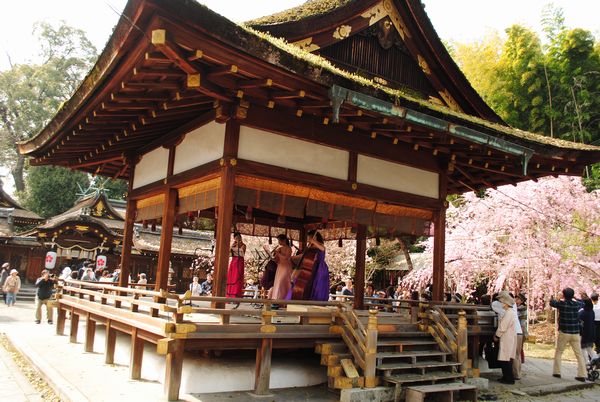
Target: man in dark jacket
44,285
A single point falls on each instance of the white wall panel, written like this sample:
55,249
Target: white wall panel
394,176
204,144
152,167
278,150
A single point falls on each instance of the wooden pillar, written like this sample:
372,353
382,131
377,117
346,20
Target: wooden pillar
137,354
462,342
359,275
74,327
127,244
173,368
90,333
439,241
111,340
166,237
225,207
262,373
371,352
60,320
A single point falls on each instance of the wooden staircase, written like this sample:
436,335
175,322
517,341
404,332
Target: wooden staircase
404,354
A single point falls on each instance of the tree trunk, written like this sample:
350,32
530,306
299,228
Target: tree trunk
404,248
17,173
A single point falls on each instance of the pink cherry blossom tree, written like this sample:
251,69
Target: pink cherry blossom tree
535,238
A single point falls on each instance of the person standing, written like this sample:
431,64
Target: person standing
498,307
507,335
44,285
3,275
594,298
11,287
282,256
206,286
317,287
588,330
568,332
195,287
235,272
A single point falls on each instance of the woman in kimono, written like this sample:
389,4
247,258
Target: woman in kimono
318,286
507,334
235,273
282,256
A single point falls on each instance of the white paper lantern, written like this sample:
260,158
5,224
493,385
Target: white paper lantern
50,262
101,262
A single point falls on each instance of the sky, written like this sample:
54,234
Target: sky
454,20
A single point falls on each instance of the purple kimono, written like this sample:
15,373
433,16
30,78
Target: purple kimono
319,281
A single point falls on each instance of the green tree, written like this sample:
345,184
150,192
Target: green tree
52,190
115,189
31,93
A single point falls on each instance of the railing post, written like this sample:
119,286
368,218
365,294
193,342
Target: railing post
462,342
371,355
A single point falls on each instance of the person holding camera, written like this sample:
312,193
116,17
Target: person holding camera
44,285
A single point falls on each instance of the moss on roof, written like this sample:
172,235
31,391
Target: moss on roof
400,95
305,10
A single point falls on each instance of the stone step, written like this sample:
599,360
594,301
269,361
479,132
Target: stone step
442,392
431,377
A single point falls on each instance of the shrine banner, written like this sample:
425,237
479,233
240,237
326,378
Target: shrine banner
50,261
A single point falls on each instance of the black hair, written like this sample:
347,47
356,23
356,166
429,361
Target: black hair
485,300
568,293
414,295
594,297
283,238
588,305
316,235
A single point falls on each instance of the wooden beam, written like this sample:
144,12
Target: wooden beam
173,370
90,332
359,273
166,237
137,355
110,343
310,128
74,327
262,372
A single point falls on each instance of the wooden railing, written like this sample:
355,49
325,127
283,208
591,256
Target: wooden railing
450,338
361,341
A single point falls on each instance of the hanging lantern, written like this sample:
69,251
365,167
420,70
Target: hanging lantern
248,213
101,262
340,244
50,261
153,227
353,228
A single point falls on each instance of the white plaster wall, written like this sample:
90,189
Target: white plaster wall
278,150
204,144
394,176
152,167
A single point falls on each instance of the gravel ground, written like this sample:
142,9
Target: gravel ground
32,375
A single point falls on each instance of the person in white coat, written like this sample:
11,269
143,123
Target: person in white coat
507,334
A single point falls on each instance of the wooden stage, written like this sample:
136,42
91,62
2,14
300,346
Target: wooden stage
180,323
